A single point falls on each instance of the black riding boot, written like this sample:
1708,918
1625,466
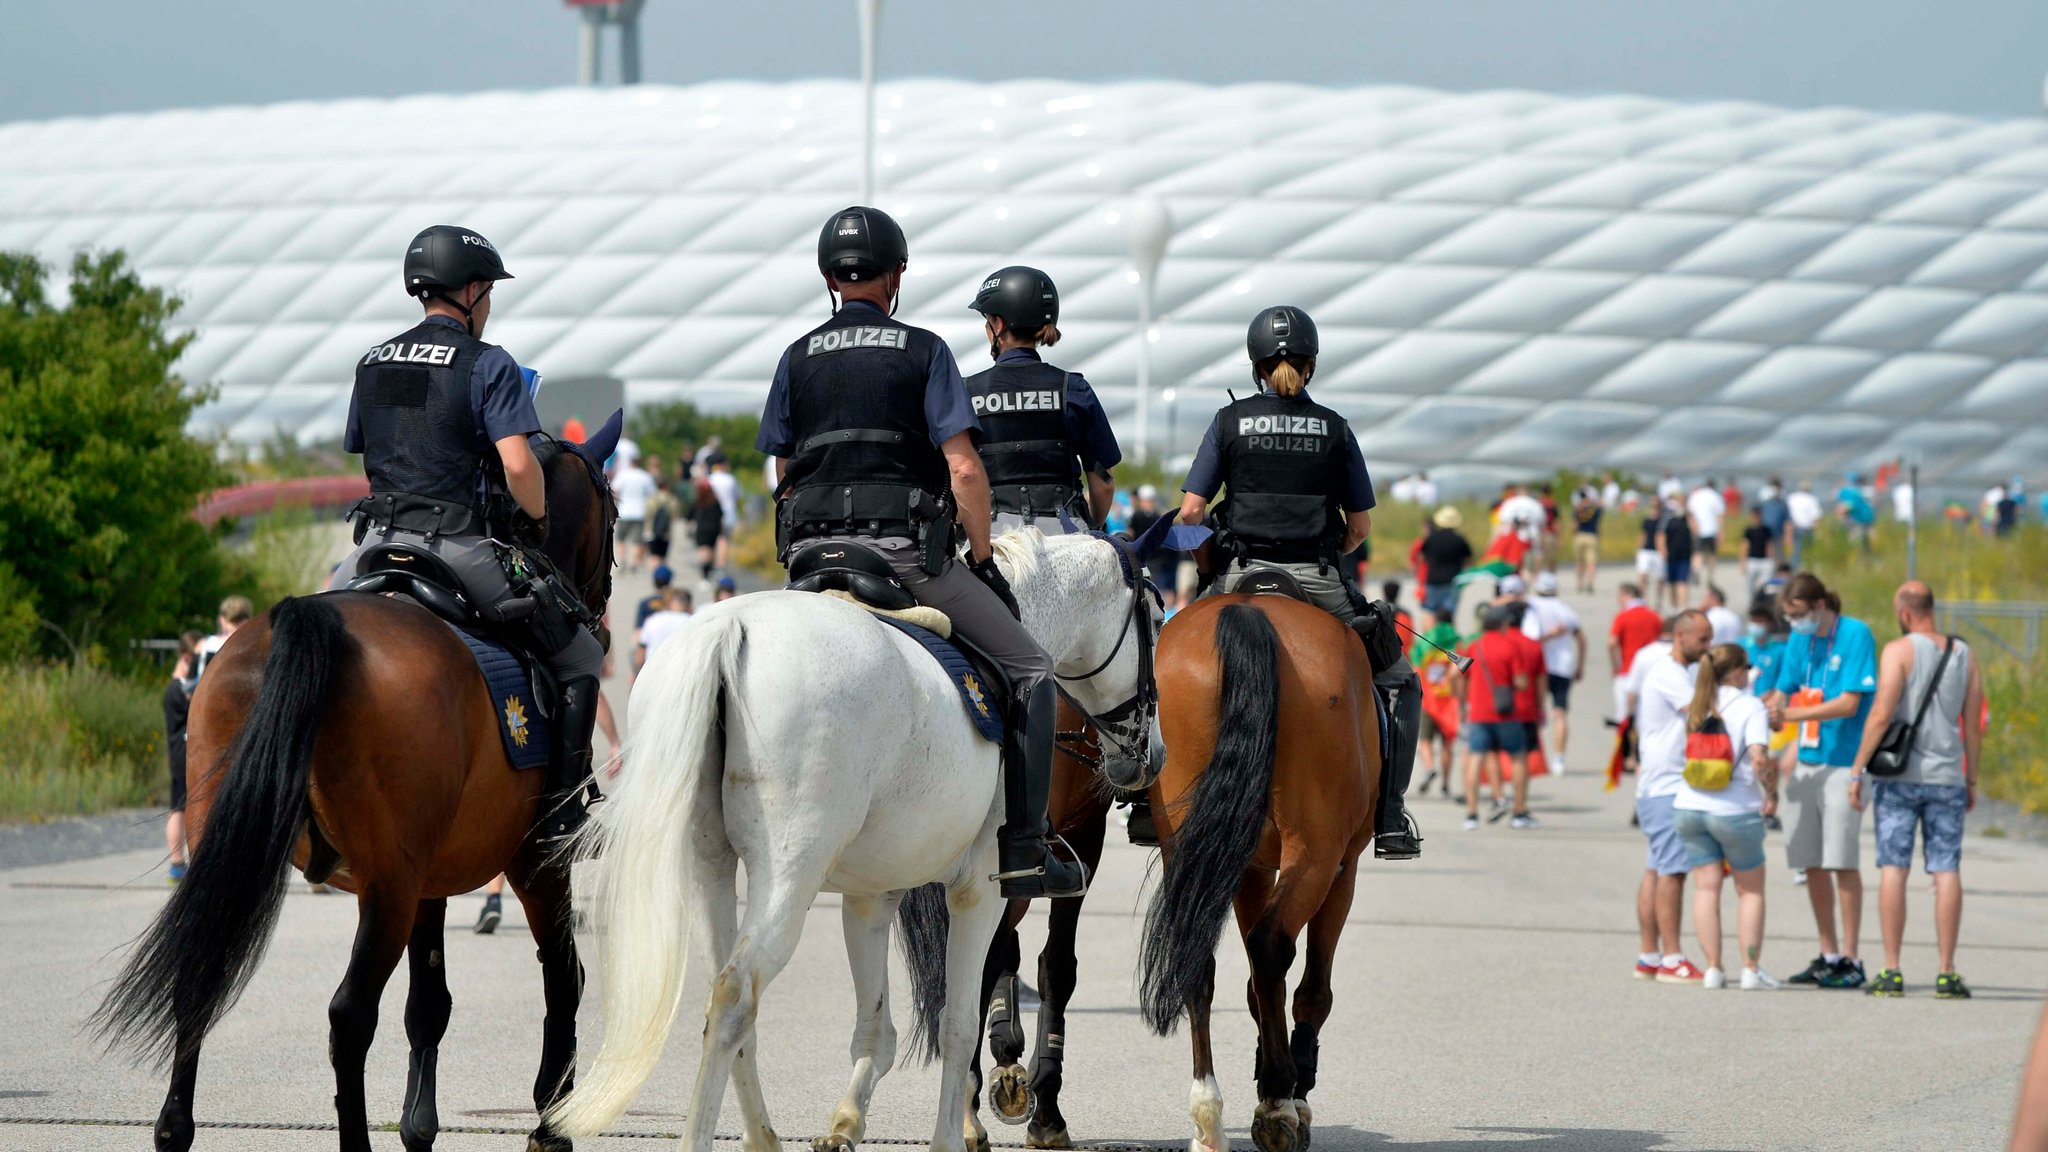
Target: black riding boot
1395,836
561,808
1144,833
1027,867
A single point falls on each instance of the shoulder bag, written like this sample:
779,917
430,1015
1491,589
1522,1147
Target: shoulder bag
1896,748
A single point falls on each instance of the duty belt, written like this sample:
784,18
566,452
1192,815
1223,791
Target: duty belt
411,512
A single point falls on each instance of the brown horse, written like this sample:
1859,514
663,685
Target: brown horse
1272,767
351,736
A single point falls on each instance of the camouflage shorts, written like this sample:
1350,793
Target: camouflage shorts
1899,808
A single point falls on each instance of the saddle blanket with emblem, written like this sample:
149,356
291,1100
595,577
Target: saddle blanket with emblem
525,731
983,706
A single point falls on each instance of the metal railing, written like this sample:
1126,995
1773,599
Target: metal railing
2011,626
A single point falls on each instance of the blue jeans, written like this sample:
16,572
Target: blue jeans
1440,600
1898,808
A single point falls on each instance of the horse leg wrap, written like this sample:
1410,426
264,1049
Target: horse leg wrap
1305,1048
419,1123
1005,1030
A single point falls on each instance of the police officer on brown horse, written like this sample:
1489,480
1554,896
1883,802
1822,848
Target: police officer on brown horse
442,420
1045,440
875,439
1300,497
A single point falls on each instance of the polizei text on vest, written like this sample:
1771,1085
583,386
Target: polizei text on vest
865,336
395,353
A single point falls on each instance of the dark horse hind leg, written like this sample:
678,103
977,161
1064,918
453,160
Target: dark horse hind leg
1058,973
174,1121
1009,1092
543,890
383,924
427,1005
1312,998
1269,944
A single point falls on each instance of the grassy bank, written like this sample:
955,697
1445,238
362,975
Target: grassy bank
77,740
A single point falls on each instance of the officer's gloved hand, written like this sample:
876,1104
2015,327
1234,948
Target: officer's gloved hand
529,531
986,571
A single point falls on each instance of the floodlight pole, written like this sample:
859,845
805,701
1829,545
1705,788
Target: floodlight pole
1913,522
1147,228
870,32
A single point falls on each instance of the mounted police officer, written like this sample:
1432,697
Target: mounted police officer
874,438
1045,440
1300,498
442,421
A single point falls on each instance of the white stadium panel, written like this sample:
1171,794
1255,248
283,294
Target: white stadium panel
1504,280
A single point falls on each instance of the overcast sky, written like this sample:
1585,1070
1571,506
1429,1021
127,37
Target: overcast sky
1980,57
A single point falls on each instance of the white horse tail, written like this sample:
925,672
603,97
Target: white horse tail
645,838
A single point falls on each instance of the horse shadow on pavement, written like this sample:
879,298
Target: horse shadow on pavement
1346,1138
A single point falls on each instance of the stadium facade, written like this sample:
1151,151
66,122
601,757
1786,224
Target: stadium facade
1506,281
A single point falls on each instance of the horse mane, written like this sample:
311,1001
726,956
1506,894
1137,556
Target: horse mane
1019,552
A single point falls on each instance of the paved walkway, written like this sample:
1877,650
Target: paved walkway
1484,1000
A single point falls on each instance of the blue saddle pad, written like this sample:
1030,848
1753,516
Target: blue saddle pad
979,697
520,723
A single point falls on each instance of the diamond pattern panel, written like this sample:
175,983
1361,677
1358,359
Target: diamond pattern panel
1505,281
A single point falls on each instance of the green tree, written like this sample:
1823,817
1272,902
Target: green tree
664,429
97,540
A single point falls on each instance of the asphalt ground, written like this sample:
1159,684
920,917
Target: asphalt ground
1484,999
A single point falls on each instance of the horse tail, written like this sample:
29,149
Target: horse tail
922,921
196,957
1223,823
642,882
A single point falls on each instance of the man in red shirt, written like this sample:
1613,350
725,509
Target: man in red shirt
1634,626
1500,691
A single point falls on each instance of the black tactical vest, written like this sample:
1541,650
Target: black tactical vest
428,464
864,462
1283,460
1025,444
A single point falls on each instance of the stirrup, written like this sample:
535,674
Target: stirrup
1412,833
1040,869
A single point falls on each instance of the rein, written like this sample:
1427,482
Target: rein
1129,724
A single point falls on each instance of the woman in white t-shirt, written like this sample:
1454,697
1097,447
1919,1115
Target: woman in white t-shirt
1727,824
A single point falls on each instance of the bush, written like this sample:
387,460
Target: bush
78,740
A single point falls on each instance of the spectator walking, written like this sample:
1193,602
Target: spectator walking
1824,686
664,621
1669,488
1758,543
707,526
1802,515
1776,514
663,512
1441,694
177,709
1675,546
1721,816
235,611
632,489
1649,558
1853,505
1554,625
1932,684
724,590
1636,625
1445,552
1727,626
1610,492
1425,489
1665,696
1705,510
718,470
1500,685
1586,513
648,606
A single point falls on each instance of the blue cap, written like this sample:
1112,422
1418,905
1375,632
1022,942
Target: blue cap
663,574
725,584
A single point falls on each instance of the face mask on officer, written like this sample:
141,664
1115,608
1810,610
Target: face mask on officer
995,334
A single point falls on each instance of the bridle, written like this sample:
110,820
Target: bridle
1127,727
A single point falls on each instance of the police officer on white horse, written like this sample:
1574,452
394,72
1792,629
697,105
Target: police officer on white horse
874,437
442,419
1299,498
1045,440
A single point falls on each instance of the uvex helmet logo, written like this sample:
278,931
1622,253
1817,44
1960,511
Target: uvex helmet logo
1283,324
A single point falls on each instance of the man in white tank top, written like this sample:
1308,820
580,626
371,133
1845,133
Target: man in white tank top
1938,786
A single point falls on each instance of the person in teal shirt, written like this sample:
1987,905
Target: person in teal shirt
1823,684
1765,644
1856,511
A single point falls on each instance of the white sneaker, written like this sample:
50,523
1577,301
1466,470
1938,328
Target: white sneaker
1758,980
1557,765
1715,979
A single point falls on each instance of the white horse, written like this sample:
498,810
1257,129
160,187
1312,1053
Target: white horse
826,751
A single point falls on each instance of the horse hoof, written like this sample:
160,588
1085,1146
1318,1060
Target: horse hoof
545,1141
1009,1094
1307,1119
977,1142
832,1142
174,1135
1040,1137
1275,1132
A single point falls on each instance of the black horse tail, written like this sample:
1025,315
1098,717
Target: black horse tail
1223,822
922,921
193,962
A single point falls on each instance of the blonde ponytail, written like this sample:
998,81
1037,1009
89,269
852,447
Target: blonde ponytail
1720,662
1285,378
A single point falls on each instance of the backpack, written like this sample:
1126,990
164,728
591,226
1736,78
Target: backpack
1709,756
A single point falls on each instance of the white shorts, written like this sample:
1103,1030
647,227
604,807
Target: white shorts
1649,565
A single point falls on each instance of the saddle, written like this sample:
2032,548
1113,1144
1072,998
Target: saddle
1259,580
849,571
521,688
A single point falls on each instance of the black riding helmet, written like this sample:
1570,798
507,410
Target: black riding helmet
445,259
861,244
1024,297
1281,331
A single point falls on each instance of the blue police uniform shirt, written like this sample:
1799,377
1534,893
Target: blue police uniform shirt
1205,475
947,411
497,394
1843,662
1087,423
